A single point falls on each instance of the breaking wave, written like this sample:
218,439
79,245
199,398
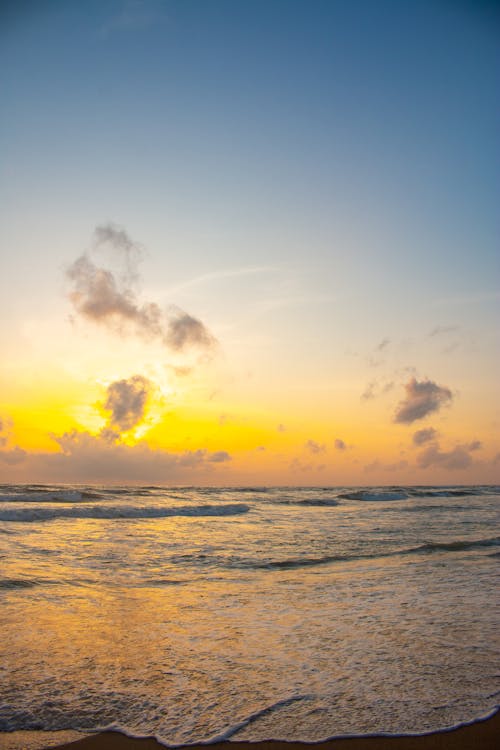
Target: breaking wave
404,493
114,511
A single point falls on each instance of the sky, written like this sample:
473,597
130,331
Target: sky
249,243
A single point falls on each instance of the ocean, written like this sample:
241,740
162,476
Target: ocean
197,614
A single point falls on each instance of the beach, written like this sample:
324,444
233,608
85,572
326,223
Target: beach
480,735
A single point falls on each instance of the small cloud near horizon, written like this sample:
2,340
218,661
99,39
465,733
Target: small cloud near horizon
315,447
424,436
456,459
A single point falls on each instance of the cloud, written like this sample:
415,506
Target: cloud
100,296
440,330
14,456
219,457
281,428
424,436
422,398
376,357
126,400
315,447
458,458
94,458
369,391
376,388
183,330
383,345
377,465
340,445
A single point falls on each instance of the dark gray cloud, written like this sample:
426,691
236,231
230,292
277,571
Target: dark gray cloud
457,458
183,331
340,445
315,447
422,398
126,400
110,299
424,436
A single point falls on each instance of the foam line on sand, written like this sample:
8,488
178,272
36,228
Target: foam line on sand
480,735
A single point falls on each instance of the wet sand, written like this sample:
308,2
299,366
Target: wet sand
481,735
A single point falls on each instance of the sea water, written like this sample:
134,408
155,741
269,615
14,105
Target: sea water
196,614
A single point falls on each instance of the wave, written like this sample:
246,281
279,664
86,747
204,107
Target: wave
404,493
444,492
115,512
312,501
373,496
16,583
51,496
456,546
306,562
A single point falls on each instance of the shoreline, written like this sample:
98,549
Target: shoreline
483,734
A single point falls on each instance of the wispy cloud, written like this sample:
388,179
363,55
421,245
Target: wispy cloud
315,447
340,445
227,273
442,330
376,388
377,355
422,398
